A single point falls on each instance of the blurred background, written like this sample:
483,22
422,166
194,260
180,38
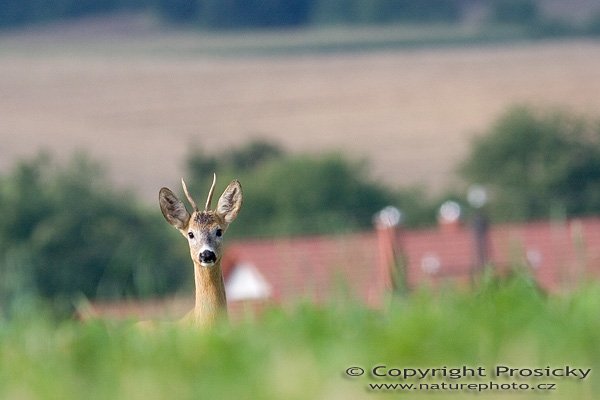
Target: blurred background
421,189
326,110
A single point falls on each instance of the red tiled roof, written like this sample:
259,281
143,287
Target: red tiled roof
557,254
451,249
311,266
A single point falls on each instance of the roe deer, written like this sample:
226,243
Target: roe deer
204,231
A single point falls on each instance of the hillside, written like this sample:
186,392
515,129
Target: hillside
140,100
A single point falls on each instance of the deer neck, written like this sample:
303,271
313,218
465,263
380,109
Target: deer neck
211,303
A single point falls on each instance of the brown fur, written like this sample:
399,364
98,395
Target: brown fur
201,228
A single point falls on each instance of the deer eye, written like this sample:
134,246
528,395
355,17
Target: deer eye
191,235
219,232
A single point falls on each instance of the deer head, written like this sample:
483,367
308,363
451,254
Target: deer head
203,229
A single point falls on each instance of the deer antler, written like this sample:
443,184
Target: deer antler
210,193
187,194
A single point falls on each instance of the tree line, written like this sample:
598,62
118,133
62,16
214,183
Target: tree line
292,13
238,13
67,232
248,14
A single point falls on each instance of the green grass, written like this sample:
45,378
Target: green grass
302,352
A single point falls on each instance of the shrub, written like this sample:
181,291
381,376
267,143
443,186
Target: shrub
294,194
538,164
67,233
515,11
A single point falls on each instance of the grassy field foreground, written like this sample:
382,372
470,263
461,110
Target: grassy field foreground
303,352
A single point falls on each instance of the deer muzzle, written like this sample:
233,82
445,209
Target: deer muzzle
207,258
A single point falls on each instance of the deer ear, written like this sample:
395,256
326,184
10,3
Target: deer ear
230,202
173,209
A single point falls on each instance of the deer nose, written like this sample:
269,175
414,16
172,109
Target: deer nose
208,257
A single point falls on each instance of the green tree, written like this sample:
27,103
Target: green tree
238,14
538,164
22,12
302,193
311,194
515,11
247,157
178,11
384,11
65,232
